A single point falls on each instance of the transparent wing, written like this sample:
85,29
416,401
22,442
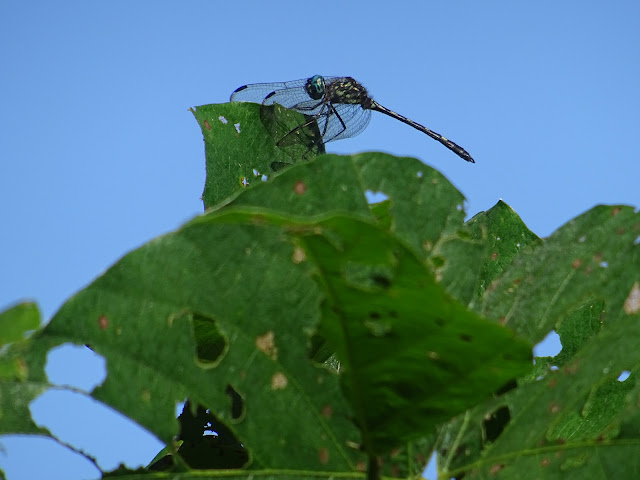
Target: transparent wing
256,92
354,120
291,95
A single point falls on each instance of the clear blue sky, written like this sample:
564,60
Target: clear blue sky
98,153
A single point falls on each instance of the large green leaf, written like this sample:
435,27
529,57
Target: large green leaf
240,277
573,418
223,311
595,256
411,356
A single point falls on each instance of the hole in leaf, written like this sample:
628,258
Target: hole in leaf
180,408
276,166
237,403
494,423
206,442
362,275
211,345
550,346
375,197
510,385
223,120
92,426
624,375
319,351
89,368
237,125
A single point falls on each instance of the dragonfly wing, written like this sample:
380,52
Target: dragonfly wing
354,120
257,92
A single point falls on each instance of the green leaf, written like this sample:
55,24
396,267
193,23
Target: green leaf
239,149
573,418
593,257
411,356
17,321
576,423
238,273
22,376
505,236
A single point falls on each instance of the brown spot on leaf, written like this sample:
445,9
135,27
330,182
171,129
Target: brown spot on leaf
576,263
496,468
327,411
279,381
323,456
361,466
299,255
22,369
494,256
544,462
552,383
554,408
615,211
572,368
300,187
207,125
267,345
632,303
103,322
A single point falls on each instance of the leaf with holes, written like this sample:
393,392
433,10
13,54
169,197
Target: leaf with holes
241,151
578,419
411,356
22,376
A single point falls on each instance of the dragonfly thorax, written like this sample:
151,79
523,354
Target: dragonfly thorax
346,90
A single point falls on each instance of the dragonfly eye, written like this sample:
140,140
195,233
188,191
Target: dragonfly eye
315,87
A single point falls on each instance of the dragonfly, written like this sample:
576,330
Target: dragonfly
339,106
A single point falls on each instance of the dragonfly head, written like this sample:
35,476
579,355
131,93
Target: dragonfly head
315,87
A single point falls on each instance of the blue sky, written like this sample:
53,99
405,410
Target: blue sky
98,153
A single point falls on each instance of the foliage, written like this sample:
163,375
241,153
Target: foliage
320,336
